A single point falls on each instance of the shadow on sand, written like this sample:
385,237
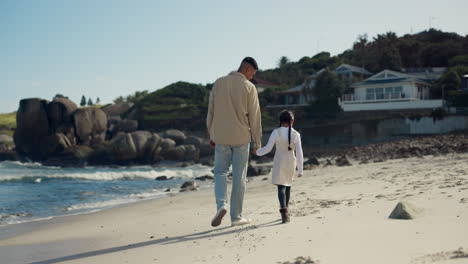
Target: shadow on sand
169,240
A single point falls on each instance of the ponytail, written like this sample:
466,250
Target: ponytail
287,117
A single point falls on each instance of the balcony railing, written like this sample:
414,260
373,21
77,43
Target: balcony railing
388,97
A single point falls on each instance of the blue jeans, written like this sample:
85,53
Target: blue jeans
225,156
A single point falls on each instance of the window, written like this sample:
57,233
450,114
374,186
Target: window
370,94
397,92
379,93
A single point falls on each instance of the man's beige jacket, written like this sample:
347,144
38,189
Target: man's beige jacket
233,112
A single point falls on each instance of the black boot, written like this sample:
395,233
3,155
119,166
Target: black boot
284,215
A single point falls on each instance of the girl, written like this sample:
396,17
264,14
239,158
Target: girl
288,155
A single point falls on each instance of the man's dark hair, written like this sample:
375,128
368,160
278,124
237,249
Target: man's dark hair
251,61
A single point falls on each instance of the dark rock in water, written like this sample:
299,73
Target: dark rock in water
75,156
205,178
90,125
163,178
405,211
257,170
32,126
189,186
176,135
343,161
168,190
8,155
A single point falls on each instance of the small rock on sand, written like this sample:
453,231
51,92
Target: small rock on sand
406,211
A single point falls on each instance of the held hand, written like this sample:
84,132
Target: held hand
212,144
254,151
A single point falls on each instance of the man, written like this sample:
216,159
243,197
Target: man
233,119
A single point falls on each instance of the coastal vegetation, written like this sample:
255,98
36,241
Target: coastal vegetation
7,123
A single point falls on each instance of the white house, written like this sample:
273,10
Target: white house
303,94
390,90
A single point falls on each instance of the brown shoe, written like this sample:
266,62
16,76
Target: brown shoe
284,215
218,217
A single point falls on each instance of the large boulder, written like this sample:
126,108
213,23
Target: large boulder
206,149
193,140
192,153
136,146
123,148
32,126
116,126
167,143
117,109
153,148
56,143
140,138
60,112
175,154
90,125
176,135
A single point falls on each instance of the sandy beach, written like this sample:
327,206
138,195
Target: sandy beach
339,215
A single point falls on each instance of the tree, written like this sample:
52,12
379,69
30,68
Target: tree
98,100
327,90
119,100
83,101
283,61
59,96
90,102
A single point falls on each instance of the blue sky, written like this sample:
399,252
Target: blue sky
108,48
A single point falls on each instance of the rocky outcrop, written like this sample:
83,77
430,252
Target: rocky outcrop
60,134
90,126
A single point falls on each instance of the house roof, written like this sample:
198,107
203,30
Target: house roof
264,83
389,76
351,68
296,89
429,74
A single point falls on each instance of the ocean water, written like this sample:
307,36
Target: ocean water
31,191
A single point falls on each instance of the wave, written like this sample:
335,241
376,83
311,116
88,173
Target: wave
37,173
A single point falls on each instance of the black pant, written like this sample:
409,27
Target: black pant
283,195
